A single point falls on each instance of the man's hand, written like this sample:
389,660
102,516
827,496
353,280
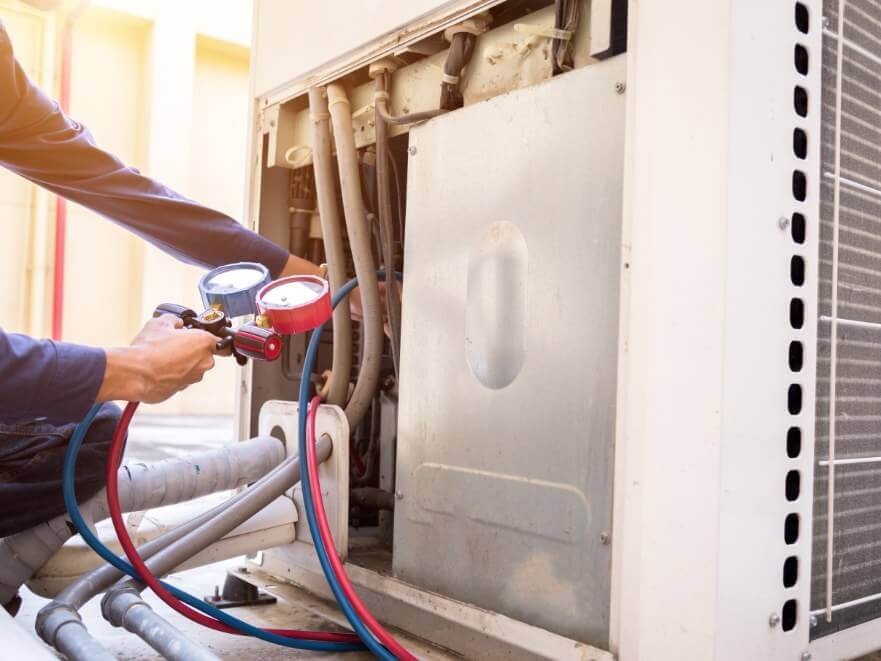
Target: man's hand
163,359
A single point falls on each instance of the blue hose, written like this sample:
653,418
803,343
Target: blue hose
123,566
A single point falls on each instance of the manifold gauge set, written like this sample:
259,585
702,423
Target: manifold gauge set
289,305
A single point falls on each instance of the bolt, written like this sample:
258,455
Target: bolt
813,620
773,620
399,495
605,538
620,87
783,222
411,150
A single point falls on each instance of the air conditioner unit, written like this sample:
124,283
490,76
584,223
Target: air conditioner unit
637,411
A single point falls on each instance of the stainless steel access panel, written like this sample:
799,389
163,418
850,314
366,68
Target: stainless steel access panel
509,355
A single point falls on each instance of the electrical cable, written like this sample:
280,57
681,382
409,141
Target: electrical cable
386,228
458,56
562,50
108,556
116,449
327,537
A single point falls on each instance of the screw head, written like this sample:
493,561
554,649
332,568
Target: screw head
605,538
825,22
783,222
620,87
813,621
399,495
806,656
773,620
411,150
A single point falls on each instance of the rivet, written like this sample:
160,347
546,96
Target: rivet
605,538
399,495
806,656
813,620
411,150
773,620
620,88
783,222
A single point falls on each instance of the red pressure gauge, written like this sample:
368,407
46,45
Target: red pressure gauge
295,304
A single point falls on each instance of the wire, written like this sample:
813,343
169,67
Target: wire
91,539
562,50
114,459
326,537
402,120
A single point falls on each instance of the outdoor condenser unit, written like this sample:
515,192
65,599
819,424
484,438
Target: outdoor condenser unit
638,407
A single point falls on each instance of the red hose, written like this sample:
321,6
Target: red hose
370,622
113,461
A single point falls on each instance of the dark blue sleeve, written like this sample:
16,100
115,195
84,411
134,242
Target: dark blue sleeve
39,142
45,378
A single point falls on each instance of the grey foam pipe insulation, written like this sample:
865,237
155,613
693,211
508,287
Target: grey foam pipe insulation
59,623
331,231
362,253
141,487
132,613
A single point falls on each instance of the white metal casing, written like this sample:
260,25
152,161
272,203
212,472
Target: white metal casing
333,475
508,363
701,460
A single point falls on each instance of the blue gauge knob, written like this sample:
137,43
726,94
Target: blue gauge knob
233,288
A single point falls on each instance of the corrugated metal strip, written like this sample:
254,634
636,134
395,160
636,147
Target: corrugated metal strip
857,539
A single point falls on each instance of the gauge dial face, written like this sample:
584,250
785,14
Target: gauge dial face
235,279
293,294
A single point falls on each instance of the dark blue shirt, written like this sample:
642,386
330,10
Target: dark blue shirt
38,141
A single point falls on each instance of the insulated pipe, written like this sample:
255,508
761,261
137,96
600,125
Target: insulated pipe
129,611
80,591
259,496
141,487
61,614
362,254
373,498
71,637
331,230
384,207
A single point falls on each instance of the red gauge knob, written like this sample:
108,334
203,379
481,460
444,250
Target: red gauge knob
258,343
296,304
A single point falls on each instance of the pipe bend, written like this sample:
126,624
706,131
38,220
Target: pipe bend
336,94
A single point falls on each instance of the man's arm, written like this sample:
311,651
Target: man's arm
40,377
61,381
39,142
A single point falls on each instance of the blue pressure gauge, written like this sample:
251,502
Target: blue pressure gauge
233,288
